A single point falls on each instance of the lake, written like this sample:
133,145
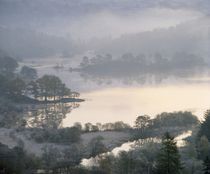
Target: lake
115,100
115,104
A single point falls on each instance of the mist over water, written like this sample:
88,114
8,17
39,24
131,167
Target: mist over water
116,98
118,54
121,85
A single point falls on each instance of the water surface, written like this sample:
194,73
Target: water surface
114,104
110,100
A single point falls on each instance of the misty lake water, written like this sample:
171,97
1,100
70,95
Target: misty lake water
114,104
116,101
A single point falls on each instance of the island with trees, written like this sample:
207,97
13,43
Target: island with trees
141,68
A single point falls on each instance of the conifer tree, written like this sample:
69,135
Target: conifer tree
205,126
206,165
169,159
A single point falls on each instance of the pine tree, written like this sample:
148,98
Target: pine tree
206,165
205,126
169,158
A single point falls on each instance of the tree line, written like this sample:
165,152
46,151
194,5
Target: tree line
25,84
148,156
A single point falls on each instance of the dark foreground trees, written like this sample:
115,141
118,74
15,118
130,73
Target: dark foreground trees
206,166
205,126
169,159
16,161
203,138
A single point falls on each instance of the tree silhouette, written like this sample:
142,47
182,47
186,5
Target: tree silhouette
205,126
169,158
206,165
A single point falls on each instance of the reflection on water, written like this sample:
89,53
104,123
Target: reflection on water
114,104
143,78
113,98
49,115
84,81
141,69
